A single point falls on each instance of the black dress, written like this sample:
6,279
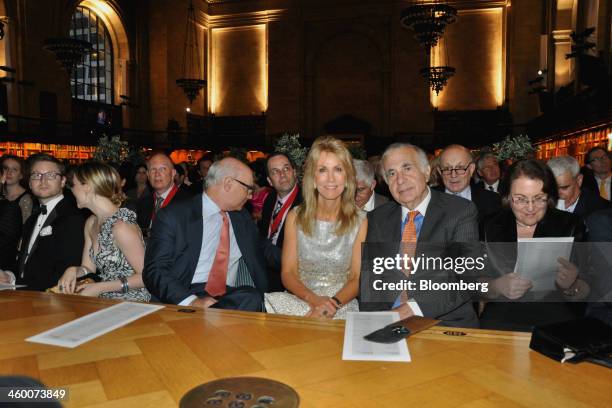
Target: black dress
10,232
523,316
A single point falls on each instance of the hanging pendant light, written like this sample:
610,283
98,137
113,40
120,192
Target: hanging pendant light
438,73
428,21
190,82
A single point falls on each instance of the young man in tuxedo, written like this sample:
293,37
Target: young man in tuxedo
286,195
52,237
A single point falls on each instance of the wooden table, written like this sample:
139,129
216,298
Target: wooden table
154,361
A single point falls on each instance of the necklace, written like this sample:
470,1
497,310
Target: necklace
525,226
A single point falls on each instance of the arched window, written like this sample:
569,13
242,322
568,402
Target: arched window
93,79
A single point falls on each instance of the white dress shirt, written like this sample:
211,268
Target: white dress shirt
211,234
607,183
369,206
283,200
42,218
494,185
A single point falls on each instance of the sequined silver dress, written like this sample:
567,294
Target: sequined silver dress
324,263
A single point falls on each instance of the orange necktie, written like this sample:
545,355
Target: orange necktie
409,240
602,190
217,278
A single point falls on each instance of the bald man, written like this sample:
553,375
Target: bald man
161,173
206,251
456,169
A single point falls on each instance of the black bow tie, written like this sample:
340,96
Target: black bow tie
43,209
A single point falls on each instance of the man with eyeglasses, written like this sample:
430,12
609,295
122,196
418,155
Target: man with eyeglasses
572,198
286,195
161,174
457,168
206,251
598,162
421,222
52,238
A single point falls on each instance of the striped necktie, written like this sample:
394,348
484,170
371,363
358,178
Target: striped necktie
409,240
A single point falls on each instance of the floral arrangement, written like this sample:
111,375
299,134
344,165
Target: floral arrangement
111,150
291,146
514,148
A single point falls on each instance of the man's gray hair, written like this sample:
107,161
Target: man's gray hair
363,171
218,171
564,164
423,162
483,157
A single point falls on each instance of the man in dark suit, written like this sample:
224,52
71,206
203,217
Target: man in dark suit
161,174
286,195
441,221
52,237
599,226
487,167
572,198
598,172
365,196
206,251
457,168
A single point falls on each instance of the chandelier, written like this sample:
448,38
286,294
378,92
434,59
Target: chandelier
68,51
437,77
428,22
190,82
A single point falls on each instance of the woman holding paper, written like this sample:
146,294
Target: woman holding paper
322,248
529,196
114,247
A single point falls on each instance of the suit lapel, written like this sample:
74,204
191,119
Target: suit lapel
195,232
53,215
434,214
240,233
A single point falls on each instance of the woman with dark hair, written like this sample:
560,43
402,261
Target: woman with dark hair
114,247
10,229
321,257
261,189
13,187
140,183
529,194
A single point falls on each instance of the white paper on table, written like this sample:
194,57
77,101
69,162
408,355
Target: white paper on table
6,286
93,325
537,260
359,324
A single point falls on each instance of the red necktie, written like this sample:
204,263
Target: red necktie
217,277
409,240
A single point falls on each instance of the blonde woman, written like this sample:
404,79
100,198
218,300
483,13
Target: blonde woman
114,247
322,248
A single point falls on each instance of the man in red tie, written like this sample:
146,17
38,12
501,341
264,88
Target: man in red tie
206,251
422,222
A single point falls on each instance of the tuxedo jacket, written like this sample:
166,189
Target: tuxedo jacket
174,246
145,206
589,202
51,253
450,224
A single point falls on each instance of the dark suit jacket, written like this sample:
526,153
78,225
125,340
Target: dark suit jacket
599,225
274,278
51,254
487,202
10,232
379,200
589,202
144,206
448,222
173,249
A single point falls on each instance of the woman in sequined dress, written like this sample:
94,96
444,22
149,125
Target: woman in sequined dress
322,249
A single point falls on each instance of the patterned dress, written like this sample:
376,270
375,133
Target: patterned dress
324,263
110,261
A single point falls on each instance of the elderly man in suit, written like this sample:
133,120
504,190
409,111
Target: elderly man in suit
206,251
572,198
488,169
456,169
433,222
53,236
286,195
365,197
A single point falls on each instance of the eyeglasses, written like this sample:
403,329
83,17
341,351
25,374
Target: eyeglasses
522,202
249,187
52,175
278,172
458,170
